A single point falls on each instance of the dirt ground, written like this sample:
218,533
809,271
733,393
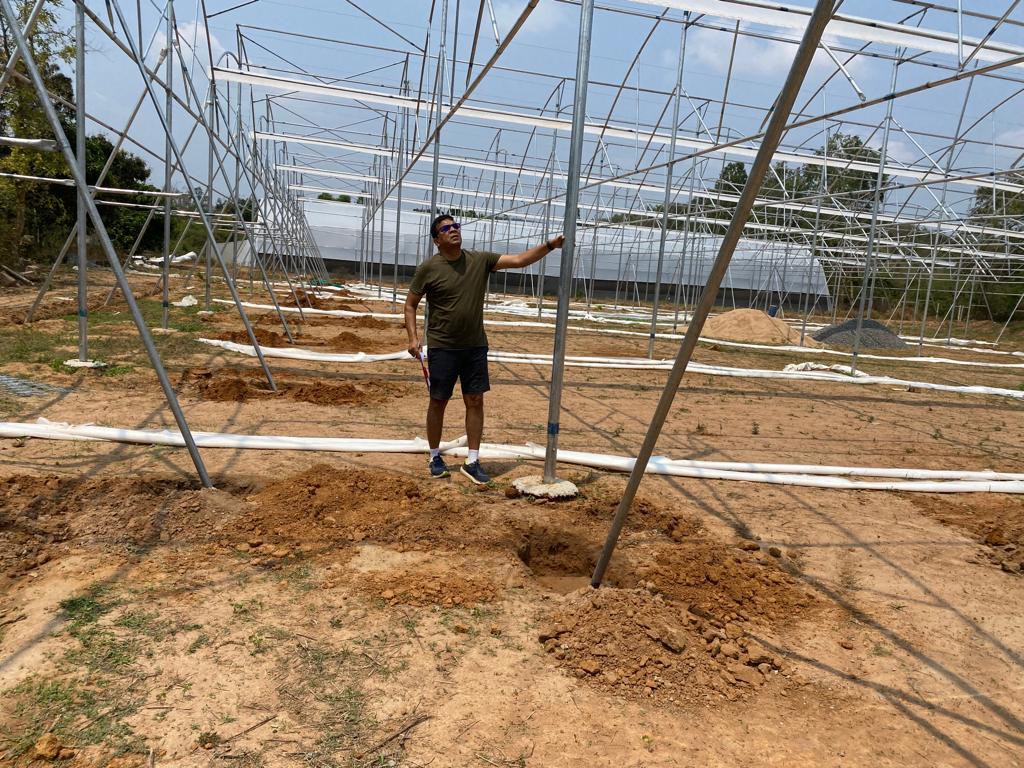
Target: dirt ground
329,609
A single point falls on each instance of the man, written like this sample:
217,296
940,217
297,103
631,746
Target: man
455,282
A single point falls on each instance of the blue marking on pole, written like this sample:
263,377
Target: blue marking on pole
83,313
553,428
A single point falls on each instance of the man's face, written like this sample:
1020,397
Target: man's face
448,234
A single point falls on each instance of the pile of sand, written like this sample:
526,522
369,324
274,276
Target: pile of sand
754,326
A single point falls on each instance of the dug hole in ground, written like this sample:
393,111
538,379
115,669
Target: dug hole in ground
344,609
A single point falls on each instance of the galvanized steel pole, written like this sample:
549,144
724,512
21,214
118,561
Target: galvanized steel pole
668,188
804,55
82,216
165,271
572,194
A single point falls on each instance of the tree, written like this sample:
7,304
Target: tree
854,188
31,211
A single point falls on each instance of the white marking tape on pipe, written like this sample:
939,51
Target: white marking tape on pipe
776,474
627,363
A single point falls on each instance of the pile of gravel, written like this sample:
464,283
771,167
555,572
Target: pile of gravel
873,335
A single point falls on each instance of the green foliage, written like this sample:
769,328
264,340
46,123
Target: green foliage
29,210
36,216
335,198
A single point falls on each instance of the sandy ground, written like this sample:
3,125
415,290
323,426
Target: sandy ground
345,610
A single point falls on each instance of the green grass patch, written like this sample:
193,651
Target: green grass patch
150,625
87,608
112,371
77,713
21,344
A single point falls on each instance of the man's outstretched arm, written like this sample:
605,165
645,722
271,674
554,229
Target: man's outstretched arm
526,258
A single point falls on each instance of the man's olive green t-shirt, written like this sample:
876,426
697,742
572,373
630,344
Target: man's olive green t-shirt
455,293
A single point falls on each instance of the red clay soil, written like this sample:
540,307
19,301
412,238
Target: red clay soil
677,621
42,516
995,520
264,337
368,322
346,341
232,386
224,386
309,300
427,587
639,645
345,393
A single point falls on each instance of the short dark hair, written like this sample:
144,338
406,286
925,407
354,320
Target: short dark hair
433,225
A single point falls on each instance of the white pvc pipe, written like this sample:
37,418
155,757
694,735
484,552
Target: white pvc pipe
663,336
627,363
939,481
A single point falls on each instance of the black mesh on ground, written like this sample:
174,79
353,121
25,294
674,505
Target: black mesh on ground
873,335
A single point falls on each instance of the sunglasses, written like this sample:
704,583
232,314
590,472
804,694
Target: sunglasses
446,227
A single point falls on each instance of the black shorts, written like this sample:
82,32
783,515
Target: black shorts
469,366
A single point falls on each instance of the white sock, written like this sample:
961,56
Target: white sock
473,456
434,453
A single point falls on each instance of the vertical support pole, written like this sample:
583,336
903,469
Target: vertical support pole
542,264
168,166
209,195
684,256
82,216
594,242
438,91
398,210
868,287
668,187
572,195
773,134
810,266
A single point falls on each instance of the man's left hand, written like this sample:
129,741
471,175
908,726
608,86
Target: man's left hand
556,242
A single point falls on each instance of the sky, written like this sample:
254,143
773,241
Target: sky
547,44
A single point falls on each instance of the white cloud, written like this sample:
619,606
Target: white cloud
762,60
192,43
546,18
192,39
899,149
1014,137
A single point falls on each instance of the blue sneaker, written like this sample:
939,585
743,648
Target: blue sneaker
438,468
475,473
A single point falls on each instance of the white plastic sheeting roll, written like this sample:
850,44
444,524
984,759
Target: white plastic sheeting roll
629,363
666,336
810,476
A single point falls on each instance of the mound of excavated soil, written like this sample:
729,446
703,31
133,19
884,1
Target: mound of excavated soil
995,520
264,337
41,516
714,578
345,393
225,386
322,503
873,335
638,645
346,341
234,387
310,300
753,326
366,322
